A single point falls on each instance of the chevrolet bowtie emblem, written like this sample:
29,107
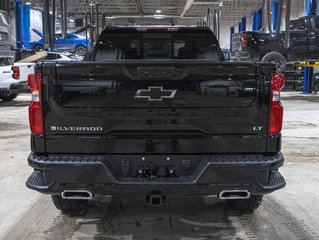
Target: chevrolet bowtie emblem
155,93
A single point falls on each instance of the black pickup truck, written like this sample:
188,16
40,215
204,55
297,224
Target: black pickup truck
261,46
156,111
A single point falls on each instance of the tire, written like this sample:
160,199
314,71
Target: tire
69,207
7,97
246,205
80,50
316,85
276,58
38,48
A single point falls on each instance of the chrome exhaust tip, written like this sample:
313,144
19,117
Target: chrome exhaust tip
77,194
234,194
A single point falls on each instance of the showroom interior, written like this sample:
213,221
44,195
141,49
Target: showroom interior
159,119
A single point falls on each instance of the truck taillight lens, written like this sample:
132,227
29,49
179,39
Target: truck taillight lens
35,109
244,40
276,109
15,72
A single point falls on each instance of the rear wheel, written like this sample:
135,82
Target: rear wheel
277,59
38,48
316,85
80,50
246,205
68,206
8,96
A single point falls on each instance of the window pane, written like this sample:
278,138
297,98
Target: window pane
70,36
157,46
315,22
298,25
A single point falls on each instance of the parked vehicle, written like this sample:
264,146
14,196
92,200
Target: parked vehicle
156,111
261,46
13,78
73,43
61,57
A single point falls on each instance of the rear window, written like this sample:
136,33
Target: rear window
51,56
298,25
315,23
5,62
157,46
70,36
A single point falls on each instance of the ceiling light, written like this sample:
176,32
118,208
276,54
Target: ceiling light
158,11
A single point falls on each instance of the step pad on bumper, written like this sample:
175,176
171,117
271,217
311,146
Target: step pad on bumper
275,181
36,181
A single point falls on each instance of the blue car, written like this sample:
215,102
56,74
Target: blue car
72,43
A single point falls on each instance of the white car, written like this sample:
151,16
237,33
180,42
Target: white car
13,78
61,57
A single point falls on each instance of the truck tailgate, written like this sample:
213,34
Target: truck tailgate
156,107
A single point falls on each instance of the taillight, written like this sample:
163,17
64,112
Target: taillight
15,72
277,82
244,40
35,109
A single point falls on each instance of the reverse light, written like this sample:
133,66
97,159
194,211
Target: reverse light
15,72
277,82
35,109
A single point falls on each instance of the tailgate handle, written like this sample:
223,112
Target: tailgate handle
156,72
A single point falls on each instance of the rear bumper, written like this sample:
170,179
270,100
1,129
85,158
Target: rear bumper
16,87
99,174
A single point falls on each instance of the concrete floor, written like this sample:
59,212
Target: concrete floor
291,213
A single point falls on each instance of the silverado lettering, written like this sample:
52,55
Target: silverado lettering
93,129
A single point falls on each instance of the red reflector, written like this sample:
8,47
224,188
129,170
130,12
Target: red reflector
244,40
15,72
34,81
276,116
36,117
276,110
35,109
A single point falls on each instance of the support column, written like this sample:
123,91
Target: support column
310,9
97,20
218,23
22,21
46,25
92,23
53,19
232,31
209,24
243,23
274,18
254,21
259,18
64,23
